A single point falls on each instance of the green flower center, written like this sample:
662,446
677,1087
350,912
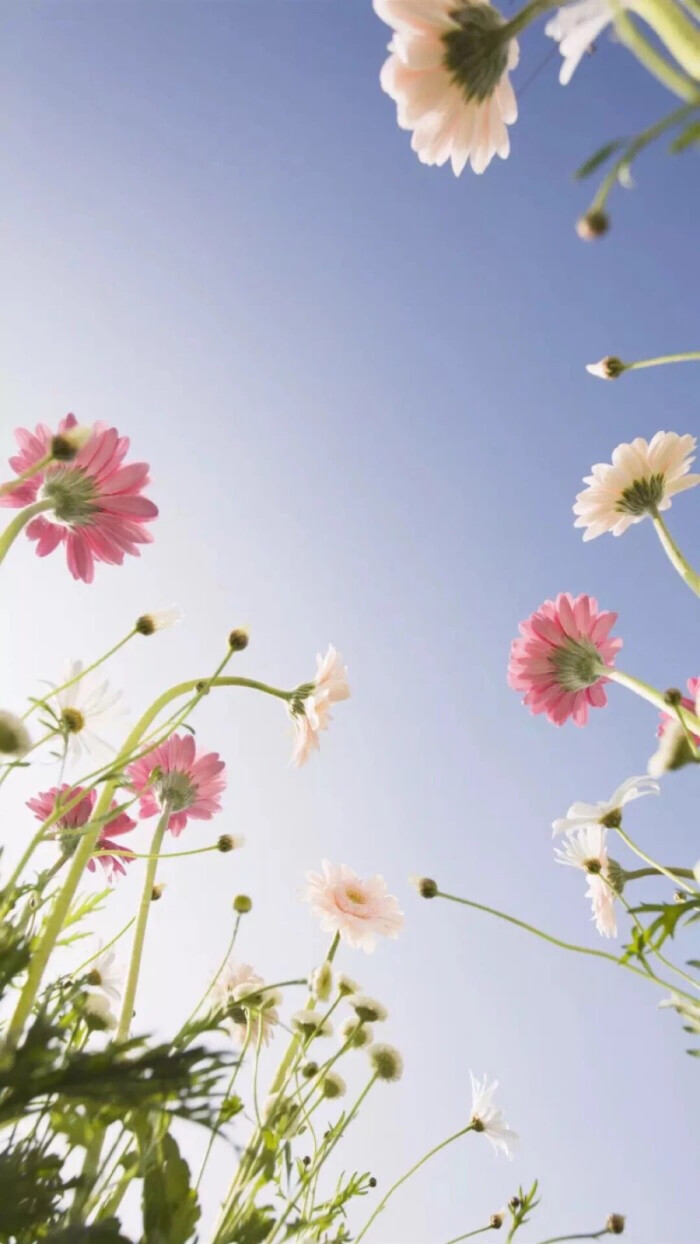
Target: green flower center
177,790
72,720
642,496
72,494
476,55
577,665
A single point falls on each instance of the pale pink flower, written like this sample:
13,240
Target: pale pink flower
560,657
66,828
641,479
173,774
690,703
312,714
358,910
448,75
602,897
98,511
238,983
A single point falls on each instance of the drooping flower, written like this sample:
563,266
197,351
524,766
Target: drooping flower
355,1033
367,1009
97,507
608,368
251,1007
641,479
311,1024
386,1062
310,711
608,814
159,620
486,1118
173,775
447,73
98,1008
690,702
107,974
66,828
333,1085
576,29
678,746
358,910
83,708
602,896
559,659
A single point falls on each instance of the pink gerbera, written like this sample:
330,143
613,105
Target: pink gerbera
66,827
560,657
690,703
97,509
173,775
358,910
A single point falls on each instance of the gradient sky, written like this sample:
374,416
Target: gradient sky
361,387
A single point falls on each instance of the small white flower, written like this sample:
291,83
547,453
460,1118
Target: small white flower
609,368
333,1085
640,480
602,897
582,814
585,849
98,1006
107,975
84,708
254,1015
486,1118
576,29
354,1032
386,1062
368,1009
310,1024
159,620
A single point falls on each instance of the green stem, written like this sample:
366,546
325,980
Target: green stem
19,522
140,931
648,693
229,1090
125,853
103,949
659,868
430,1154
526,16
636,873
655,950
554,941
582,1235
680,35
457,1239
207,991
630,153
76,677
56,919
674,554
688,357
11,484
652,60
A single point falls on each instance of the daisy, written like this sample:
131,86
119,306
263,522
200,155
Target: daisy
106,974
602,898
252,1009
448,75
582,815
98,1008
66,828
487,1119
97,509
358,910
173,775
560,658
585,848
83,708
311,709
640,480
576,29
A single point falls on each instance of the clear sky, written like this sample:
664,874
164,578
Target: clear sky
361,387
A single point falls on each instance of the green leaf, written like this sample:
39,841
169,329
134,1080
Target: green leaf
230,1107
105,1232
599,157
689,137
170,1207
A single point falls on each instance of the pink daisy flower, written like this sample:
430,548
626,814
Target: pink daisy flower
559,659
79,815
173,773
358,910
690,703
98,511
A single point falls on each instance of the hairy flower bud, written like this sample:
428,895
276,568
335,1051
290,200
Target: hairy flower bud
609,368
496,1221
333,1085
14,736
242,904
386,1061
228,843
615,1224
157,891
593,225
67,444
321,981
238,639
160,620
426,887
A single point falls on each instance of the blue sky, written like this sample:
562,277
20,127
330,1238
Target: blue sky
361,387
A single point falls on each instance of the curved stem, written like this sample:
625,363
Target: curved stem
430,1154
229,1090
647,55
126,854
19,522
680,35
581,1235
676,558
689,357
102,949
468,1235
650,694
642,140
635,874
11,484
140,931
659,868
205,995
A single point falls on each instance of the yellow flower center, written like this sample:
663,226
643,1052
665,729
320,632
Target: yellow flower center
73,720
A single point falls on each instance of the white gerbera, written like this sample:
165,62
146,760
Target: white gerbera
640,480
486,1118
582,814
576,29
84,708
585,849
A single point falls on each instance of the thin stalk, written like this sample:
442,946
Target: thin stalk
457,1239
11,484
229,1090
648,693
676,558
659,868
140,932
207,991
528,14
689,357
125,853
630,153
103,949
581,1235
395,1186
19,522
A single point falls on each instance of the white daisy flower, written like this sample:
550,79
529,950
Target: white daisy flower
107,975
98,1007
610,813
602,898
84,708
576,29
585,849
640,480
486,1118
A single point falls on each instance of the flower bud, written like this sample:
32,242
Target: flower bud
368,1009
228,843
615,1224
347,986
371,1182
321,981
593,225
157,891
310,1024
97,1013
242,904
674,751
160,620
333,1085
65,445
426,887
238,639
309,1070
355,1034
514,1202
496,1221
608,368
615,875
14,736
386,1061
673,697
